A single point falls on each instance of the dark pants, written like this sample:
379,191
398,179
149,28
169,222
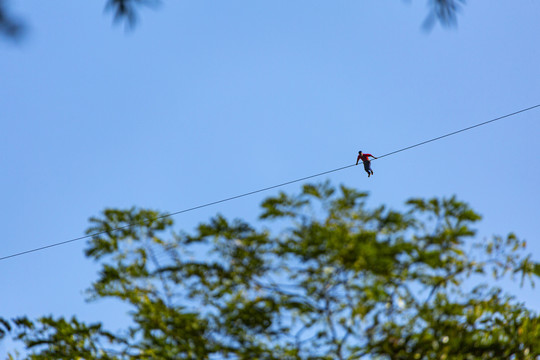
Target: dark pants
367,166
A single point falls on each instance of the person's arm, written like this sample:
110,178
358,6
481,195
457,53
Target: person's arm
357,159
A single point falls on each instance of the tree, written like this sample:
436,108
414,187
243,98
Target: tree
444,11
338,280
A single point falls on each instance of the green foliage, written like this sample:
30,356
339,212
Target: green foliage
338,281
65,339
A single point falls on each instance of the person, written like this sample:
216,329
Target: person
365,160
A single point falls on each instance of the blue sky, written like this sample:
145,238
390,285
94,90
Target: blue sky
206,100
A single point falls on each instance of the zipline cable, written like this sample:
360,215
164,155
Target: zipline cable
175,213
266,188
458,131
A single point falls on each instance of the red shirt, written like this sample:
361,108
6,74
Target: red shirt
364,157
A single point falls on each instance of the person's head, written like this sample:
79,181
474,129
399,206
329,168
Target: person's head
360,152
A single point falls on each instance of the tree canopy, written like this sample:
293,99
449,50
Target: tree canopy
443,11
323,276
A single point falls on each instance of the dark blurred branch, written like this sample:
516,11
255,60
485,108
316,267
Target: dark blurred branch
443,11
10,27
126,10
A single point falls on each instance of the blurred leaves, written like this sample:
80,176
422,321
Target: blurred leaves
126,11
10,26
443,11
340,280
5,327
64,339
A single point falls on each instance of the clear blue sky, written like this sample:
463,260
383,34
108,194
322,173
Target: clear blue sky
206,99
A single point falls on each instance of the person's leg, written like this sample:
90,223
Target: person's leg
367,168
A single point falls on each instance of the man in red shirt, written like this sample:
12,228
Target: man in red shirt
365,160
